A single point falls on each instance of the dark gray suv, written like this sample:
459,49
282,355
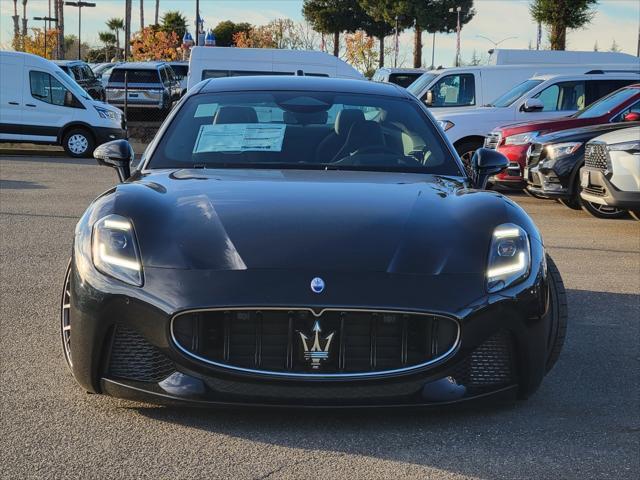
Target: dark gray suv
150,85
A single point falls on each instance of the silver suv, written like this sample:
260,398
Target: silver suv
150,85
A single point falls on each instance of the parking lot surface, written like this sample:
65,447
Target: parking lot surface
584,422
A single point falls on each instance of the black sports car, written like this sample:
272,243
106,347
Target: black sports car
554,162
310,242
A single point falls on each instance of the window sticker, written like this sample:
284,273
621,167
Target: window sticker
206,110
240,137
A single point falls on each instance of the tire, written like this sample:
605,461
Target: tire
572,202
559,314
635,214
466,150
603,211
78,143
65,319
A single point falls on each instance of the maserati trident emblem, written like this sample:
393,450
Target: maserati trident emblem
316,353
317,285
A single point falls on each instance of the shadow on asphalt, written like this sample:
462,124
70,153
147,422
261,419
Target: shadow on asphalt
19,185
49,159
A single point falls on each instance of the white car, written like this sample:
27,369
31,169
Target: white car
42,104
610,178
219,62
400,76
539,98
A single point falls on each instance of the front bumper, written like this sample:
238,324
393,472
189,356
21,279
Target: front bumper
105,134
512,177
101,306
545,183
596,188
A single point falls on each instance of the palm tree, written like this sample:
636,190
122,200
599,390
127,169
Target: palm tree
115,25
157,11
108,39
127,28
174,21
16,25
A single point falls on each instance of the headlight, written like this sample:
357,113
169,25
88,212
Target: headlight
509,257
560,150
631,147
521,138
115,250
445,124
106,113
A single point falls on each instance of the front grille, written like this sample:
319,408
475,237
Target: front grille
133,358
295,341
492,140
596,156
489,365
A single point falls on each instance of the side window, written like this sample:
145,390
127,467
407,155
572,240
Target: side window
163,76
78,74
214,74
48,89
596,89
454,91
634,108
563,96
88,73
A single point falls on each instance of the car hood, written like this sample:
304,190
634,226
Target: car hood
583,133
310,220
545,125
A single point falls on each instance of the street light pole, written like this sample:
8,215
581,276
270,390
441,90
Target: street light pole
495,44
197,21
46,19
433,51
79,5
458,10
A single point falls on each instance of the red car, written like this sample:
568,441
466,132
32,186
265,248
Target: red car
514,140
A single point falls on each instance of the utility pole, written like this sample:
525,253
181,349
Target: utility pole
46,20
197,39
395,59
433,51
457,10
79,6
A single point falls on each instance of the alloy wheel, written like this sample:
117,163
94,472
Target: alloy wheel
65,317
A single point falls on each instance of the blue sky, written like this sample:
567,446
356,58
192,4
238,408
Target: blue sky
497,19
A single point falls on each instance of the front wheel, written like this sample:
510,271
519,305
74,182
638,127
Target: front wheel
78,143
466,150
603,211
559,313
65,318
635,214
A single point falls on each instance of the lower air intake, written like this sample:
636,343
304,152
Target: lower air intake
489,365
133,358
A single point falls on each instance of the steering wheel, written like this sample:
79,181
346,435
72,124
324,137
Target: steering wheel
374,149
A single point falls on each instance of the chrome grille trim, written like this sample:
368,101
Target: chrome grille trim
596,156
492,140
318,313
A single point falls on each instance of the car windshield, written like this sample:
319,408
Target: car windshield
607,104
72,85
514,94
303,130
421,83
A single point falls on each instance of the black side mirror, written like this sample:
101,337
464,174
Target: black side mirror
485,163
532,105
117,154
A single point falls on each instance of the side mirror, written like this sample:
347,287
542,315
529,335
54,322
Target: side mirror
117,154
428,99
631,117
533,105
485,163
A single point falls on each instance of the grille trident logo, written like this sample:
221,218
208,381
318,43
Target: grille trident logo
316,353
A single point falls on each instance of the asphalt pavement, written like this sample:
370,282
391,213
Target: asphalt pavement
584,422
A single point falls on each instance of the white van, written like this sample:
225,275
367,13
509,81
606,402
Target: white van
538,98
217,62
506,56
39,103
466,88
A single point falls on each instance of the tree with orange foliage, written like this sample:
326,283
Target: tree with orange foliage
361,52
34,43
256,37
154,44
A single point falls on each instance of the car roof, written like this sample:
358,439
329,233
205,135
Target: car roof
402,70
141,65
592,74
69,62
302,83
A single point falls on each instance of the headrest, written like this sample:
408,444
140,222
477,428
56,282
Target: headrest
235,114
345,120
300,118
363,134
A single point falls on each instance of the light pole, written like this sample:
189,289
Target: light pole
433,51
197,21
495,44
395,59
45,20
79,5
457,10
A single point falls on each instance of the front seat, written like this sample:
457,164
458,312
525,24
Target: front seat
365,133
235,114
332,143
